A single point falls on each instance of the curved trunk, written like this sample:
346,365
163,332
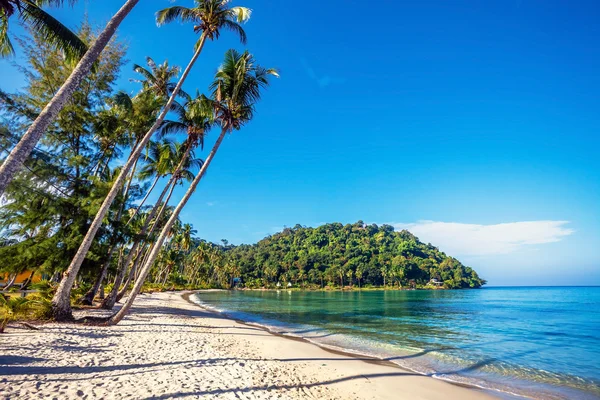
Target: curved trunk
163,208
165,231
15,160
130,276
27,281
101,291
109,302
137,210
11,282
88,299
172,182
61,305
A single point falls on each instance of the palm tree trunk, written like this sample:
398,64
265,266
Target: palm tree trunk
163,207
173,182
27,282
137,210
88,299
18,155
113,296
61,305
165,231
167,273
109,302
11,282
89,296
101,291
130,276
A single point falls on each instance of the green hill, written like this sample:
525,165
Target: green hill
352,254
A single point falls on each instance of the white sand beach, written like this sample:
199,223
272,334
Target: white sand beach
169,348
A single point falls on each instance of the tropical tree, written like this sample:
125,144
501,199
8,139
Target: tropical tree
235,91
48,205
15,160
210,16
179,170
158,79
158,163
41,22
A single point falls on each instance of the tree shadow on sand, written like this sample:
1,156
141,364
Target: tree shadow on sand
215,392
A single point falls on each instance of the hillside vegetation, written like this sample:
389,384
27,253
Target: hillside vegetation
343,255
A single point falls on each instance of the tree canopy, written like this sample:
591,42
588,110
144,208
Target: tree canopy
352,254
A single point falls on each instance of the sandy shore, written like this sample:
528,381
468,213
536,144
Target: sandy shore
169,348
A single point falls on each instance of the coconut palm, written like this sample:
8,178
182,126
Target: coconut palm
158,163
210,16
184,239
194,120
183,171
15,160
41,22
235,91
157,79
121,125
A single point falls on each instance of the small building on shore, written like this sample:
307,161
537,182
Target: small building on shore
20,279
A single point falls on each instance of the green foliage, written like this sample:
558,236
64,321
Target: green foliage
347,255
42,24
32,307
50,202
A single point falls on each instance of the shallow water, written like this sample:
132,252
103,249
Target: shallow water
533,342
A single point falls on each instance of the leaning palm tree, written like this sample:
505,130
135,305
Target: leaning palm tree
183,171
210,16
158,163
15,160
235,91
194,120
41,22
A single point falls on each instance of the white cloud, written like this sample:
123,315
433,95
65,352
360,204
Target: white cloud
460,239
322,81
211,203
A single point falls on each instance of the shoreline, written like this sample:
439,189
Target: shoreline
170,347
342,352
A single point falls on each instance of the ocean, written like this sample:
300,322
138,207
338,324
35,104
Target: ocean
535,342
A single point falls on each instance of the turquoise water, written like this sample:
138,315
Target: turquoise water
532,342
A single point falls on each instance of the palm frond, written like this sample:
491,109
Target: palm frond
144,72
53,3
242,14
236,28
151,63
6,47
175,13
53,31
123,100
172,127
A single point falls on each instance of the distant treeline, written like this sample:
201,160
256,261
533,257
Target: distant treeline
343,255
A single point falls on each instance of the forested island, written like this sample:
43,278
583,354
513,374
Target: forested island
347,255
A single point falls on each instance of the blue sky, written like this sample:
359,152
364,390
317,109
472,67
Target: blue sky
475,124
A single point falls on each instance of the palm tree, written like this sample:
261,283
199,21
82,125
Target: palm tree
157,79
158,163
183,171
14,162
210,16
41,22
128,115
235,91
195,120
